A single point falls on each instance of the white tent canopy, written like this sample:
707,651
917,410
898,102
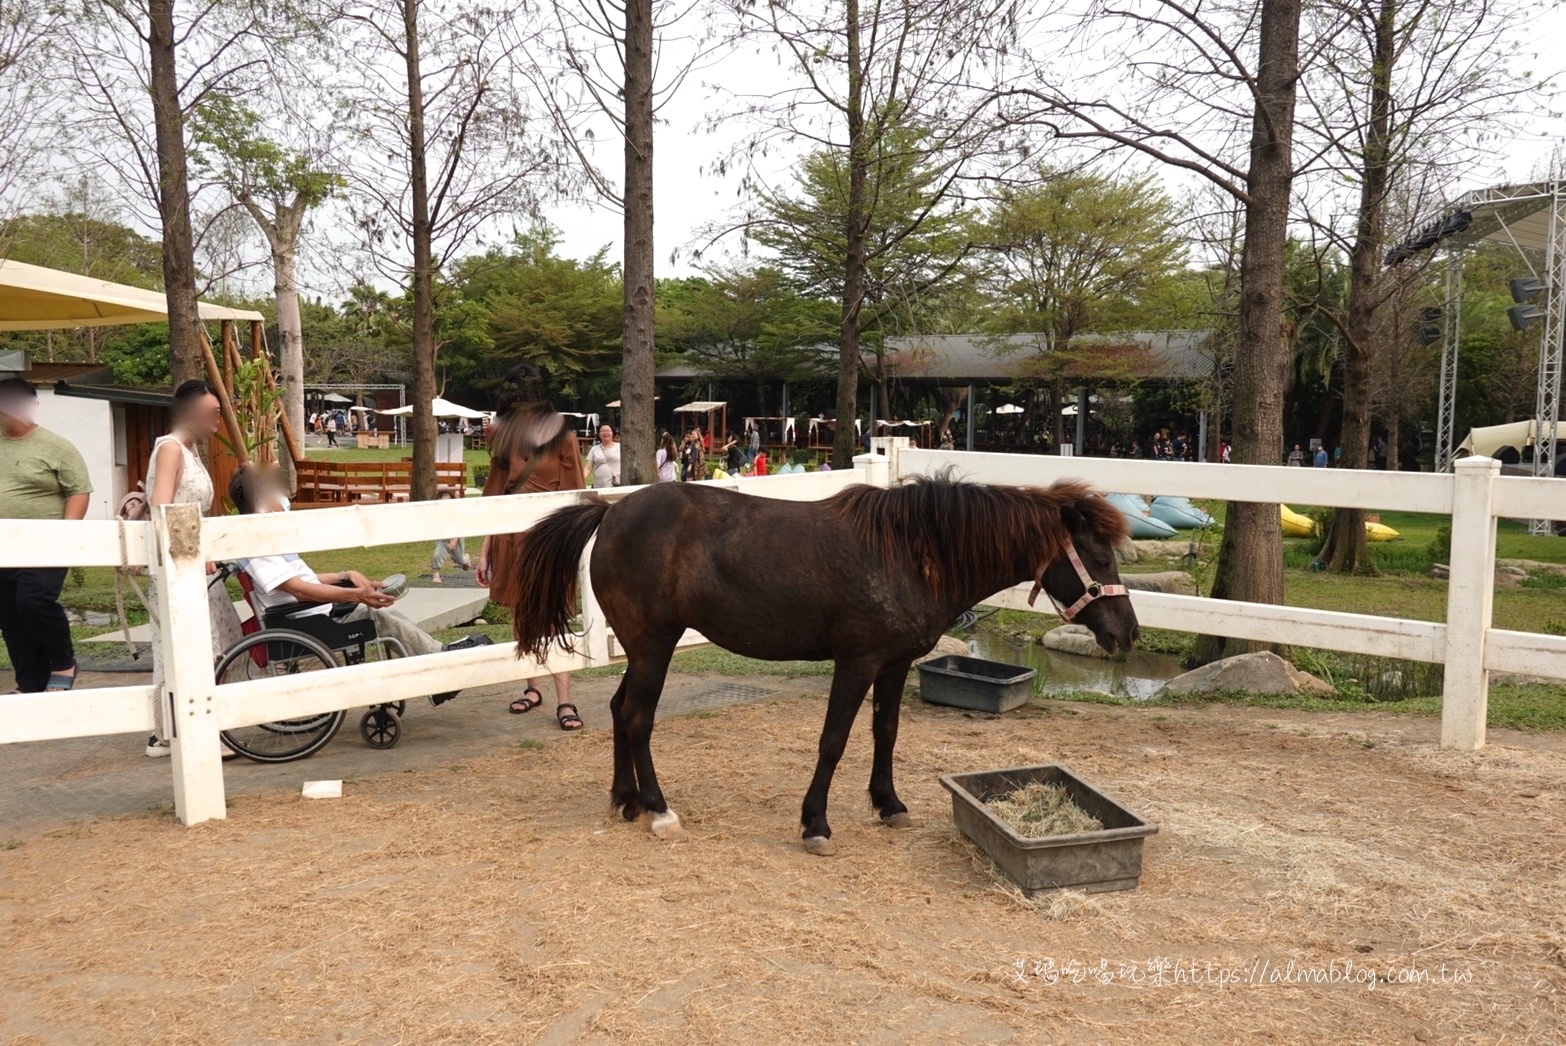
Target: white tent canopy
700,407
1484,442
441,408
33,298
1008,408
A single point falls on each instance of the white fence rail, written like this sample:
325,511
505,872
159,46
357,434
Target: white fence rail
178,544
1474,495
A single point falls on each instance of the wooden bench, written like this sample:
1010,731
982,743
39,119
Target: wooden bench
325,483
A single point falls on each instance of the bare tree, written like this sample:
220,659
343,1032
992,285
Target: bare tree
1401,101
444,148
889,82
1191,77
28,44
619,63
138,70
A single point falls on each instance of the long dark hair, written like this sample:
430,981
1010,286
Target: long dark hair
192,392
525,423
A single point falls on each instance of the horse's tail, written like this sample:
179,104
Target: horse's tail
546,576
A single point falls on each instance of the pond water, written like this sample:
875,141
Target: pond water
1138,675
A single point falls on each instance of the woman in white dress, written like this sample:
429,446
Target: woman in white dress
176,476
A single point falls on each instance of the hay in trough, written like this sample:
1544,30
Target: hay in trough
1039,810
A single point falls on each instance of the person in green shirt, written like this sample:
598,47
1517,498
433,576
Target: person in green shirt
42,476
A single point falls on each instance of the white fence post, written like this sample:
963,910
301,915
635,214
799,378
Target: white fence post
1469,599
594,628
186,634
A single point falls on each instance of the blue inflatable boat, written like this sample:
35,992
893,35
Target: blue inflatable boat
1140,516
1179,513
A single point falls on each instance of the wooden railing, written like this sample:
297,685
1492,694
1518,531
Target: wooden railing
323,483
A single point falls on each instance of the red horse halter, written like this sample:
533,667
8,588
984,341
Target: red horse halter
1091,588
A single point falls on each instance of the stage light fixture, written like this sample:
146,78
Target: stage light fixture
1429,332
1526,289
1524,316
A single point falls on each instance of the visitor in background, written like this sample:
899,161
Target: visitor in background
753,443
177,476
946,440
42,476
1296,457
603,460
1408,458
532,448
693,458
1337,456
331,430
759,466
667,458
1321,458
1378,452
733,458
453,549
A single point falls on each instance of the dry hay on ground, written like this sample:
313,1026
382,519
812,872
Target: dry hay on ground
497,902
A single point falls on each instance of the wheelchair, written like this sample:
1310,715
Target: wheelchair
289,641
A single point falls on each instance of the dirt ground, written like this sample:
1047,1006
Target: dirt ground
496,901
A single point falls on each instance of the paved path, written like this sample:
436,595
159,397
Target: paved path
49,784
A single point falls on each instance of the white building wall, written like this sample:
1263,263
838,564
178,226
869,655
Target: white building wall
90,425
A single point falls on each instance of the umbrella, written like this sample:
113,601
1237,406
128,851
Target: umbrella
441,408
332,397
1008,408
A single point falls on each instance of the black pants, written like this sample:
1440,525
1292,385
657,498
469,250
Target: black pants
37,634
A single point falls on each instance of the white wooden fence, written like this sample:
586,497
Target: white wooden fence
176,546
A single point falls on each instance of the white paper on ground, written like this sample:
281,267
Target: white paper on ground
323,789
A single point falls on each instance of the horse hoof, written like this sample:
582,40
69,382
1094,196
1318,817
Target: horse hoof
898,820
666,826
820,845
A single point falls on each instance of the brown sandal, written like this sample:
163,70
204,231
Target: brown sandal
568,720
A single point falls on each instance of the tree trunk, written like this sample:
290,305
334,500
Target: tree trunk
844,445
291,332
1250,557
1347,550
637,433
186,360
422,421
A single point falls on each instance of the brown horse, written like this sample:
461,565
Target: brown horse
869,579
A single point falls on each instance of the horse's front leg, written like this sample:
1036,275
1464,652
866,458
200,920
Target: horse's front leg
887,702
849,684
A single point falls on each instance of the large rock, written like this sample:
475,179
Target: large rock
947,645
1260,673
1176,581
1073,639
1126,552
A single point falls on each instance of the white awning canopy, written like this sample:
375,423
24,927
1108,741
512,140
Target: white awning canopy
700,407
441,408
1484,442
33,298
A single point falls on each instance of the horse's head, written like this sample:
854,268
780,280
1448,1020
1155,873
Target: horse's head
1083,579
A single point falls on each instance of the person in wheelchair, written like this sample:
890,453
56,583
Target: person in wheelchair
281,582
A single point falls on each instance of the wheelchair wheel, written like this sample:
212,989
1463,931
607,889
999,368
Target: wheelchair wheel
287,653
381,727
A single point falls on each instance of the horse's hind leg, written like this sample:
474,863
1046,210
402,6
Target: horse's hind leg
887,702
623,794
849,684
642,686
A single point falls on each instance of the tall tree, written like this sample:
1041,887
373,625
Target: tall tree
904,253
1059,249
1186,79
277,188
28,46
442,161
866,74
600,66
139,68
1407,74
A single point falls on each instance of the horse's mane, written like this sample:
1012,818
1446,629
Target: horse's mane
951,530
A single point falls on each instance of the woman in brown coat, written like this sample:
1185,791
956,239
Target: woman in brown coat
531,448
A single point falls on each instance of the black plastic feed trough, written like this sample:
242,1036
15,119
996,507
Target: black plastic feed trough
1096,862
972,682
